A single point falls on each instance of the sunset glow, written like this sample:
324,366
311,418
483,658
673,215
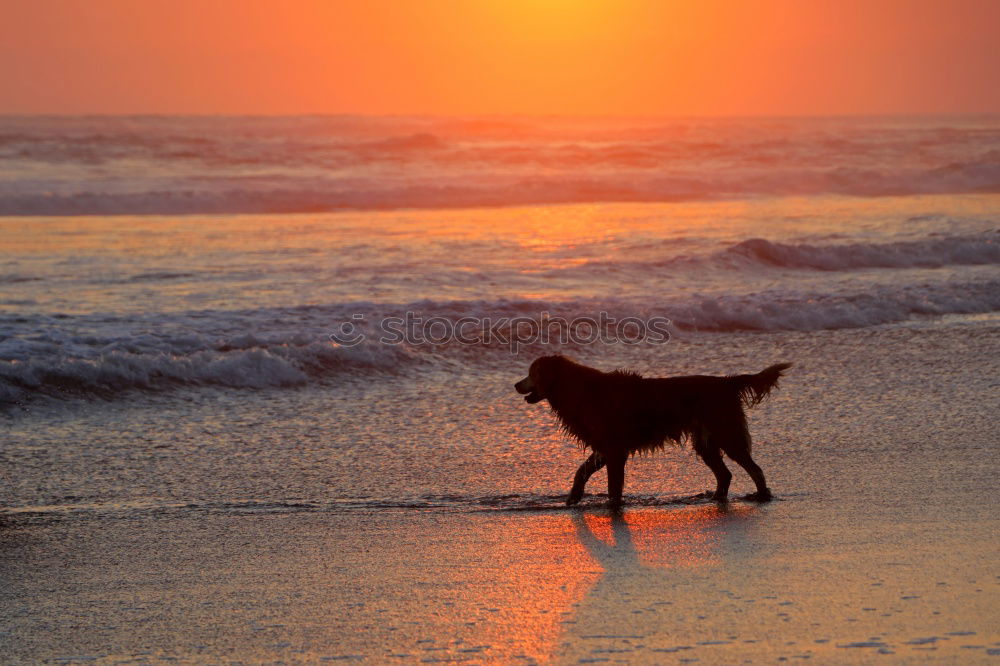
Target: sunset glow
632,57
499,331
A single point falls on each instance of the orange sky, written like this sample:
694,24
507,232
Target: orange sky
581,57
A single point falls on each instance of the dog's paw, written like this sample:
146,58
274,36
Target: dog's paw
574,498
760,496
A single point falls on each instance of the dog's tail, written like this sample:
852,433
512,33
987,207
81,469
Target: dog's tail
752,389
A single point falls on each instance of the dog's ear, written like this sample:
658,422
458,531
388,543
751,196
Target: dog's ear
548,369
556,361
543,363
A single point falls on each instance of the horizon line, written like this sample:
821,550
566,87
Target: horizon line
568,116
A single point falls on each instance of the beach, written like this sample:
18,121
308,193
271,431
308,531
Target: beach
880,544
292,436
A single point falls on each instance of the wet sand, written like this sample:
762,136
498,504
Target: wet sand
656,585
882,545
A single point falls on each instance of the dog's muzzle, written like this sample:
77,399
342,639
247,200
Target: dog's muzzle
527,388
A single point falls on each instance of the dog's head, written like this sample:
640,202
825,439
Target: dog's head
541,374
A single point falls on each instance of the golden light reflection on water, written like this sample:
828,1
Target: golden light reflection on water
639,553
579,565
142,263
659,538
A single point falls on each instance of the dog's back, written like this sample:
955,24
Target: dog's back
637,413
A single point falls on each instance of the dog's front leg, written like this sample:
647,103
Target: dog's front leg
616,480
585,471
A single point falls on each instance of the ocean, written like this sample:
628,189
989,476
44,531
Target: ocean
256,388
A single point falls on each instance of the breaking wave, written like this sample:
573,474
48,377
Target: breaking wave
755,253
103,357
924,253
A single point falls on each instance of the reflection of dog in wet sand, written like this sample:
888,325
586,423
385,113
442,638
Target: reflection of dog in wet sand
616,414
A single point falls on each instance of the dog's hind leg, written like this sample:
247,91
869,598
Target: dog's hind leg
707,448
583,474
713,458
737,445
742,458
